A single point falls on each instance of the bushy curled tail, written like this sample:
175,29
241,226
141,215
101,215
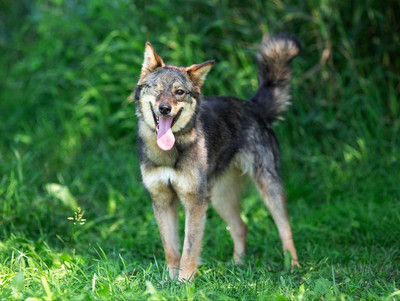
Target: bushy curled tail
274,73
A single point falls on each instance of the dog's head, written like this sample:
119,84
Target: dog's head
167,97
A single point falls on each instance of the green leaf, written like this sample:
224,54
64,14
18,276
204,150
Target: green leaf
63,194
288,261
17,284
322,287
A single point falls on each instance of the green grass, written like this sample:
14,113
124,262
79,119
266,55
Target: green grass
68,132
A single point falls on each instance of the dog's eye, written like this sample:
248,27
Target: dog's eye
179,92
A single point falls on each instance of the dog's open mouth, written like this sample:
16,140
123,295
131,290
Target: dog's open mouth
165,137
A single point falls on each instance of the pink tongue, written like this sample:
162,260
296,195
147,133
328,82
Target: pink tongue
165,137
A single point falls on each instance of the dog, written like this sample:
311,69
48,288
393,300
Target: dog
193,149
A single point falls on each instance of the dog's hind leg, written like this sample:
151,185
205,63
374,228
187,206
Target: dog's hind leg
165,206
225,200
270,187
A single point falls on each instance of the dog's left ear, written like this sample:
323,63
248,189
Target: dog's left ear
197,73
151,61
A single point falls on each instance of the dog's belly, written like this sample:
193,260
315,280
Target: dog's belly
159,179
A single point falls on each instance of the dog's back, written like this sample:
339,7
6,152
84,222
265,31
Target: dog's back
232,125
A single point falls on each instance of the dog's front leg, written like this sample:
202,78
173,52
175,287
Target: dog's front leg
195,216
165,208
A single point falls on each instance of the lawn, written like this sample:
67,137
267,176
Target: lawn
75,220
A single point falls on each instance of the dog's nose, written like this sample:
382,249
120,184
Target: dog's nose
164,108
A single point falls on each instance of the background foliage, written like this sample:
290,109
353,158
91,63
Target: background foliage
68,131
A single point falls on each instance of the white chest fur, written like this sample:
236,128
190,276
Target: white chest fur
157,179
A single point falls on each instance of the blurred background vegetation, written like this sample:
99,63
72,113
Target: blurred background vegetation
68,130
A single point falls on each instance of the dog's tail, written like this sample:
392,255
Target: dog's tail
274,73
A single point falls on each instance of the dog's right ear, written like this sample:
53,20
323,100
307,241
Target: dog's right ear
151,61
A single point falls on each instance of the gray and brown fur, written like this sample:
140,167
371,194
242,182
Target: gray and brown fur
219,140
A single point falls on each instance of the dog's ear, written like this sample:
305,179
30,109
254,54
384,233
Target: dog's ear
151,61
197,73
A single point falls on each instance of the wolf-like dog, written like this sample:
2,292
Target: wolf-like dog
193,149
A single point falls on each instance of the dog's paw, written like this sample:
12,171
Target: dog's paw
186,276
238,258
295,264
173,273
